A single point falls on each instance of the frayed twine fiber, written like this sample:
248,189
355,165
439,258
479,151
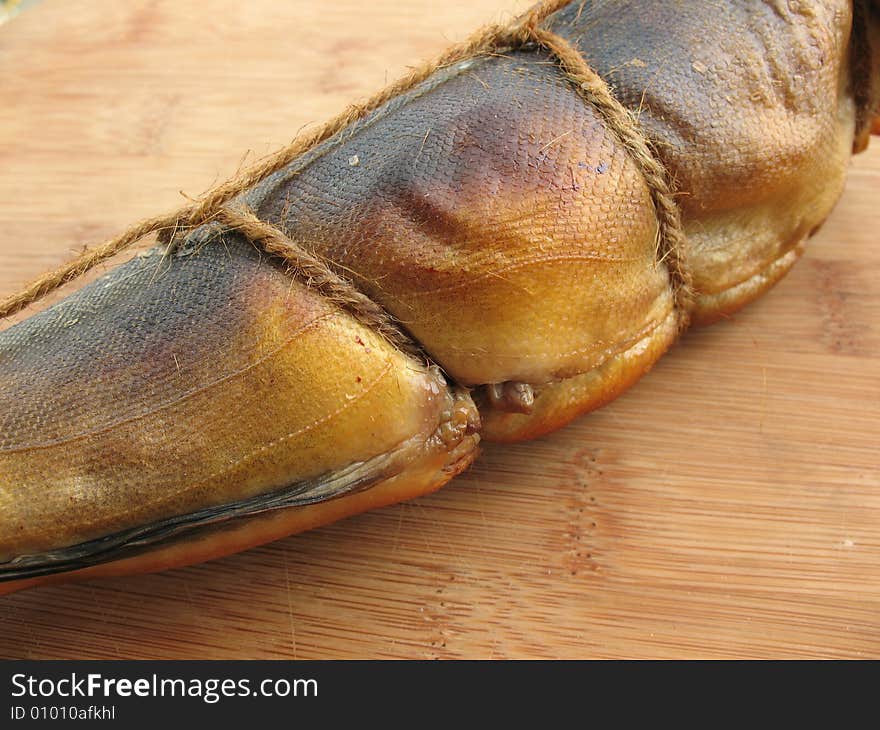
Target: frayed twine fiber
316,274
523,31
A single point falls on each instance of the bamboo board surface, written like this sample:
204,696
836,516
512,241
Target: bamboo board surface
727,506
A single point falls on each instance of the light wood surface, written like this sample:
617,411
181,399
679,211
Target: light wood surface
727,506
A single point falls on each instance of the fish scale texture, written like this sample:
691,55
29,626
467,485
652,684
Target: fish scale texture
494,214
61,368
750,104
178,383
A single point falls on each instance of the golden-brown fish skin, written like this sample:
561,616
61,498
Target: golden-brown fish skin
560,402
424,475
485,224
271,386
201,399
494,215
752,109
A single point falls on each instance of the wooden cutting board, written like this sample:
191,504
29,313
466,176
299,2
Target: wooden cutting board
727,506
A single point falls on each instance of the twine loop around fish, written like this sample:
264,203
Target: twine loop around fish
214,206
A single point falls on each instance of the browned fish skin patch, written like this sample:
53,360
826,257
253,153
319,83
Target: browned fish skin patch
255,401
201,400
494,216
454,441
751,106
